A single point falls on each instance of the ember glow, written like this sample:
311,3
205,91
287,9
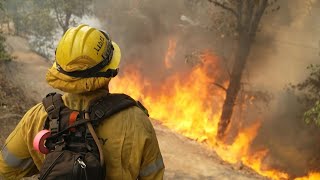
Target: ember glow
191,104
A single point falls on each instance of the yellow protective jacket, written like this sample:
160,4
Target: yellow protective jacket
130,144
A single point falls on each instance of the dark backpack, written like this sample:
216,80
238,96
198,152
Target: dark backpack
74,149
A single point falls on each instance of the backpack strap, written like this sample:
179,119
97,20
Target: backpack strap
101,109
105,107
111,104
53,104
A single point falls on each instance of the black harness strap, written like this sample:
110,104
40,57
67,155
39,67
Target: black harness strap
109,105
99,110
53,103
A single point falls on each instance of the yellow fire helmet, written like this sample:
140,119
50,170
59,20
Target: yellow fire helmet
85,52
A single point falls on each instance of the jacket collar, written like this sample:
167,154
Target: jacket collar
80,101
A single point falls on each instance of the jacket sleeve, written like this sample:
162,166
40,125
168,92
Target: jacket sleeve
152,166
15,157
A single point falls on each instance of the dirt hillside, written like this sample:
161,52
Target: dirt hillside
23,84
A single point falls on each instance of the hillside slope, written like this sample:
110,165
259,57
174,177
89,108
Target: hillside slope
184,158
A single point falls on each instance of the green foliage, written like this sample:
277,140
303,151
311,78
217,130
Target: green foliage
33,19
310,87
313,114
1,4
66,11
15,10
61,12
4,56
309,94
38,20
41,30
3,52
312,84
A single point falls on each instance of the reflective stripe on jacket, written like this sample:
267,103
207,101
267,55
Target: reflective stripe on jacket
130,145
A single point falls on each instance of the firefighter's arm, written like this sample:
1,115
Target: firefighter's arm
15,158
152,166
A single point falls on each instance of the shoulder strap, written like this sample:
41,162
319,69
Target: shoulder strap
103,108
53,103
111,104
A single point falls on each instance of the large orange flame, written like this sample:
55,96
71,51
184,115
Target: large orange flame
183,102
190,104
311,176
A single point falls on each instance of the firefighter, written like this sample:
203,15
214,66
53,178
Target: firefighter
85,61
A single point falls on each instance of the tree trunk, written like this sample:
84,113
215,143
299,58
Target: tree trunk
241,54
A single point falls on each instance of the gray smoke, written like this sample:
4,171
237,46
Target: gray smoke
287,44
288,41
142,28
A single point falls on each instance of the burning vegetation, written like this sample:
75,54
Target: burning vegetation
190,103
177,59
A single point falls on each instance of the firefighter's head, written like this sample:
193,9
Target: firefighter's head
84,54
